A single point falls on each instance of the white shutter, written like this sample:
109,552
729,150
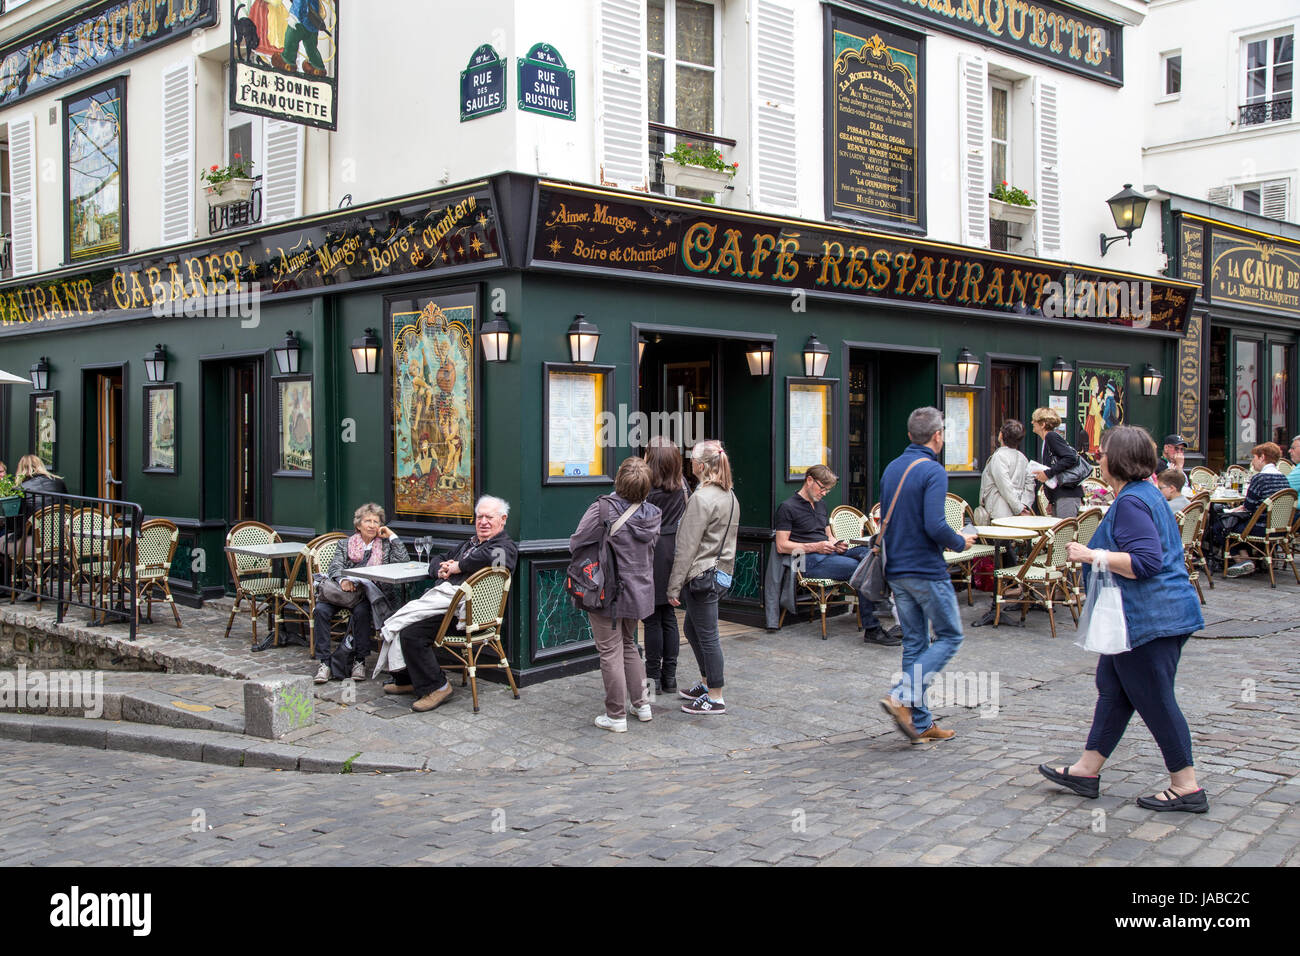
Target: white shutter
1272,201
1047,165
282,149
22,186
775,173
178,152
621,109
973,117
1219,194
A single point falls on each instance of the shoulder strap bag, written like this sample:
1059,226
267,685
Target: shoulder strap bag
868,578
706,581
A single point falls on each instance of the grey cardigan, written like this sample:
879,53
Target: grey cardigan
1006,488
707,536
634,551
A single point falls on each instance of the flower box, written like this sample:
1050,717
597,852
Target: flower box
1009,212
11,505
695,177
229,192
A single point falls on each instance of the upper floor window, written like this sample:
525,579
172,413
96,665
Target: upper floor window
1000,132
1268,80
681,69
94,179
7,5
1172,70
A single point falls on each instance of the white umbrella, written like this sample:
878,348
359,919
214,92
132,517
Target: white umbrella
7,378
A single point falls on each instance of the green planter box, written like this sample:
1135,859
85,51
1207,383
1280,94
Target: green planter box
10,506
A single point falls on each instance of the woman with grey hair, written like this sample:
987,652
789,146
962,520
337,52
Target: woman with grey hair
374,543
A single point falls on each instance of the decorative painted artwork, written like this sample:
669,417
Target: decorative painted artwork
295,426
43,436
434,472
160,429
1101,402
284,60
94,136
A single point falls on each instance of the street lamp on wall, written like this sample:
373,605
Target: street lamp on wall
40,373
968,368
1062,373
1151,379
759,357
815,357
365,353
286,354
495,336
155,364
1128,207
583,339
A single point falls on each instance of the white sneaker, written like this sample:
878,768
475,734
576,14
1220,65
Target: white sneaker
359,671
643,713
605,722
322,674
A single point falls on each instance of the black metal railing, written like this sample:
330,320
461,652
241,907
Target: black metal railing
75,552
1252,114
237,215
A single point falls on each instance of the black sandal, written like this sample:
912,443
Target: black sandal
1195,802
1089,787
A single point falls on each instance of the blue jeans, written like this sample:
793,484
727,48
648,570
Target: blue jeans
923,604
840,567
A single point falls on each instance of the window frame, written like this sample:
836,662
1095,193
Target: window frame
669,88
1167,95
118,83
1008,174
1243,74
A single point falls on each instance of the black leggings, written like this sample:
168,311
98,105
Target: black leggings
1143,680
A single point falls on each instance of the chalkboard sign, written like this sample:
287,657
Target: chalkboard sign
482,84
876,120
545,84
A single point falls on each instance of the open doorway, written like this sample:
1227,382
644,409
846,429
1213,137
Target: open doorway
103,439
233,470
885,386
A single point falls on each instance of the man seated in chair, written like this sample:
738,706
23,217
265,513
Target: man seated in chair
803,527
408,634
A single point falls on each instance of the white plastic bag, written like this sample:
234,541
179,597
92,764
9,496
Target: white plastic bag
1101,625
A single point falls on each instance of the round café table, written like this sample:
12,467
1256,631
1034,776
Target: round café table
1028,522
1000,535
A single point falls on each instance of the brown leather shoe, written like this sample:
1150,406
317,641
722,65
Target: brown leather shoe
433,700
902,716
399,688
935,732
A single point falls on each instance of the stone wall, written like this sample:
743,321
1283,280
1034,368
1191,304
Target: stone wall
39,649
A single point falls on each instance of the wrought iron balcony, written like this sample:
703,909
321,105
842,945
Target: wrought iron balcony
237,215
1252,114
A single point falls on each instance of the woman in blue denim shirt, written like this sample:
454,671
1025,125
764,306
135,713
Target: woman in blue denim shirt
1161,610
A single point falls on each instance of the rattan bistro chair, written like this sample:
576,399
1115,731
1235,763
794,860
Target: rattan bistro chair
38,554
155,548
1190,520
1043,578
1202,478
252,576
296,603
1270,532
484,595
957,512
847,523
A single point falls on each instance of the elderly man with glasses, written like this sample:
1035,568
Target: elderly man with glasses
803,529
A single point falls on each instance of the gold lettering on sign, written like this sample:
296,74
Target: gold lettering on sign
1189,382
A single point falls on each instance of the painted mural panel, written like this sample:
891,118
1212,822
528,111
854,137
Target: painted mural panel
1101,404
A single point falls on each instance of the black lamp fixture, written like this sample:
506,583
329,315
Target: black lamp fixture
1061,375
365,353
40,373
1128,207
815,357
155,364
968,367
759,357
495,337
583,339
1151,379
286,354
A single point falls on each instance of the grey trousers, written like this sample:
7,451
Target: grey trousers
620,664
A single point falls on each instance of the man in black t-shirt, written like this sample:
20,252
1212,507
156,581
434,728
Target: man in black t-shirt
803,529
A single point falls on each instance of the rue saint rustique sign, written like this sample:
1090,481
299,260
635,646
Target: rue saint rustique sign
431,233
608,232
93,38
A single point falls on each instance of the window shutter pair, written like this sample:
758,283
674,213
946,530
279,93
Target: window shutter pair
621,108
976,155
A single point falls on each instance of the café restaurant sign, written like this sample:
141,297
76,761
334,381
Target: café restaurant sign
92,38
432,233
612,233
1255,271
1059,34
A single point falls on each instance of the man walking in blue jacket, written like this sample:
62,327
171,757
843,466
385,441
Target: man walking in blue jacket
915,539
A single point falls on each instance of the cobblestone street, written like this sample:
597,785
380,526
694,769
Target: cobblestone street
803,770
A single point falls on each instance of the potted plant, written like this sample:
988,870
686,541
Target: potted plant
1011,204
230,184
11,495
696,166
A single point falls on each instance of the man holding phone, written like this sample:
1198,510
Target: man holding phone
803,528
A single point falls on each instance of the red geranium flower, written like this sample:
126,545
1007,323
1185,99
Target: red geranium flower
214,167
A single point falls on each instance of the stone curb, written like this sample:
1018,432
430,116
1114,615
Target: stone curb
200,746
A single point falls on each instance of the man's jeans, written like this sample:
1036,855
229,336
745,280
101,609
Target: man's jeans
840,567
923,604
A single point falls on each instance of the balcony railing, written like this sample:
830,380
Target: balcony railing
1252,114
658,146
237,215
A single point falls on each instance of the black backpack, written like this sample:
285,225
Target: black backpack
592,577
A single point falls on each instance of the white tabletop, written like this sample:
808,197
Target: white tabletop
1033,522
1004,533
1230,496
278,549
402,573
101,532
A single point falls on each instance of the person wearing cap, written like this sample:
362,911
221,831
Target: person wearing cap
1174,454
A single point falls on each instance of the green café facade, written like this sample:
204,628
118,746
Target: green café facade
519,337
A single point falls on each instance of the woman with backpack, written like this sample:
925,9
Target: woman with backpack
669,494
629,525
1063,463
702,569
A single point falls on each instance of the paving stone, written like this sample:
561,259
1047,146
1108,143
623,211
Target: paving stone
160,741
